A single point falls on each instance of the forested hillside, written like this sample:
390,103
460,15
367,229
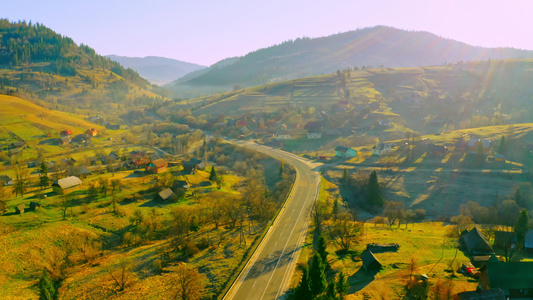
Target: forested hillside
38,64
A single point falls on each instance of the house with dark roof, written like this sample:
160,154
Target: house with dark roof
343,151
492,294
156,166
3,207
504,239
515,279
382,148
183,184
192,165
370,262
66,185
16,144
475,242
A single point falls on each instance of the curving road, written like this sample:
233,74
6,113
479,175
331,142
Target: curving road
267,275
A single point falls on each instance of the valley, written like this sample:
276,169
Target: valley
281,174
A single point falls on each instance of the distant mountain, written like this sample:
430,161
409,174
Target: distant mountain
158,70
376,46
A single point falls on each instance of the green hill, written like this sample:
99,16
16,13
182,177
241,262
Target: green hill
37,63
376,46
427,100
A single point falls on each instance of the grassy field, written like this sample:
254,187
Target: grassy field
424,242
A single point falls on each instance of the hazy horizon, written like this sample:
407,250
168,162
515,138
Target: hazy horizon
204,32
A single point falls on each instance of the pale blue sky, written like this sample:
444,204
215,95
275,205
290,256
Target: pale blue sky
206,31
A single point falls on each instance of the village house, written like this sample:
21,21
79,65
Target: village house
284,135
370,262
66,185
472,145
156,166
192,165
66,133
504,239
343,151
181,184
91,132
64,140
515,279
165,194
112,126
475,242
382,148
6,180
19,209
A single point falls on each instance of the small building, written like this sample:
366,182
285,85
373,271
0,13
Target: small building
284,135
33,164
475,242
66,185
165,194
17,144
504,239
314,135
6,180
112,126
156,166
66,132
492,294
370,262
181,184
378,248
64,140
472,145
343,151
515,279
34,206
19,209
91,132
382,148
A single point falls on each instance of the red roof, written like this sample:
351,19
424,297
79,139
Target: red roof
242,123
66,132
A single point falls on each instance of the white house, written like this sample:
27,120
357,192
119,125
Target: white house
343,151
283,135
382,148
314,135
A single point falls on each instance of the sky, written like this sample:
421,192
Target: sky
207,31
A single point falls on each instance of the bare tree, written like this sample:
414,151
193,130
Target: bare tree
394,211
188,283
122,275
345,232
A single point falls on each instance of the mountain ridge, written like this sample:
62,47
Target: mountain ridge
372,46
157,69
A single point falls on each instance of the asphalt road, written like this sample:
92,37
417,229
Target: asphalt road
267,275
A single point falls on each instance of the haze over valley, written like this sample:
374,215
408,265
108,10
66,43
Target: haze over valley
205,151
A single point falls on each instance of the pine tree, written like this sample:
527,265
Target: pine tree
502,148
281,170
213,176
335,209
43,179
47,290
331,291
317,276
342,285
521,227
345,177
374,191
321,248
302,291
